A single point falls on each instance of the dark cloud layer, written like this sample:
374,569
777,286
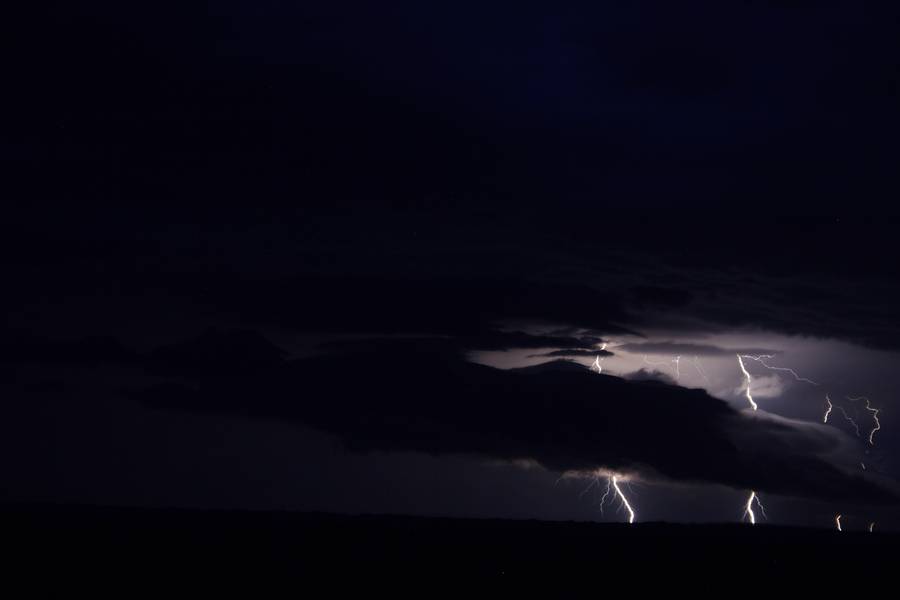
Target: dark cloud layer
574,353
678,349
405,397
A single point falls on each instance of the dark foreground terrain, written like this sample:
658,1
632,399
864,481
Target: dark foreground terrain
128,551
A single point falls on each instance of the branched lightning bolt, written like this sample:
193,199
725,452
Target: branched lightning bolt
837,522
761,359
612,485
747,381
605,495
748,508
762,508
874,412
615,484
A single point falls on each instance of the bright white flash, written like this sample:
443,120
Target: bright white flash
748,509
612,486
598,361
747,381
615,484
761,359
837,522
828,407
874,412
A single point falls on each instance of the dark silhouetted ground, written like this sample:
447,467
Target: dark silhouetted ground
129,551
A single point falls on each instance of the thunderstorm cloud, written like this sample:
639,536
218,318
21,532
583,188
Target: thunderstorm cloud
404,396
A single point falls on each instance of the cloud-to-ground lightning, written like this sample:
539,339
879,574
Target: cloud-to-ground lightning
748,508
828,407
761,359
747,382
598,361
874,412
700,370
615,484
837,522
612,486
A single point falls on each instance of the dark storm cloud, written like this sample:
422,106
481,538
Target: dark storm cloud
644,374
677,349
558,414
445,102
216,352
583,353
489,339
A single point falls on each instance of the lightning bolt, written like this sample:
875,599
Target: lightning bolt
761,359
675,361
849,418
615,484
748,508
597,360
612,486
874,412
605,495
828,407
837,522
762,508
700,370
747,381
871,526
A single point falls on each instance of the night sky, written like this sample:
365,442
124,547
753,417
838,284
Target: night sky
362,257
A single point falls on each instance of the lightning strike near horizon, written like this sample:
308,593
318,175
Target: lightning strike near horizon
615,484
598,361
612,486
700,370
837,521
761,359
874,412
828,407
675,361
748,508
747,381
